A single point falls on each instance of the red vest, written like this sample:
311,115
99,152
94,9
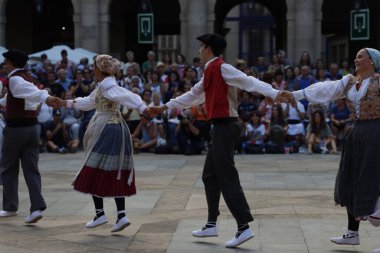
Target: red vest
16,115
220,98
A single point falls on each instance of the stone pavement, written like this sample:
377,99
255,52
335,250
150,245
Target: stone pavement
290,197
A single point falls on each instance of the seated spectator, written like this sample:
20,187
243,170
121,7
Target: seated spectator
261,66
340,119
56,89
71,118
246,107
265,111
321,75
189,77
131,116
189,141
199,114
289,78
334,72
279,82
171,119
45,115
295,136
62,79
319,136
173,86
57,135
276,132
256,134
156,101
80,87
146,136
156,84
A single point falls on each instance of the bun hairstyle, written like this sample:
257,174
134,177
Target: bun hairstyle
108,65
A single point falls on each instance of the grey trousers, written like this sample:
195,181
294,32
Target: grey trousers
21,143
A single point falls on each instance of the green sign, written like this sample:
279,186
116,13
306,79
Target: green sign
359,23
145,28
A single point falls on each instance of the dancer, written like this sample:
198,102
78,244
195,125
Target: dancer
218,89
357,184
108,169
21,137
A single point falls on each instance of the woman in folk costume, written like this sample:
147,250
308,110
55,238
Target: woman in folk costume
108,169
357,184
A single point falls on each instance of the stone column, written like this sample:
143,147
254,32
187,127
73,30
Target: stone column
291,30
232,38
304,28
183,34
104,26
196,25
90,31
211,16
77,30
318,29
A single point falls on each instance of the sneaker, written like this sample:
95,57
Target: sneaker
97,222
34,217
302,150
7,213
120,224
206,232
240,238
349,238
62,150
376,250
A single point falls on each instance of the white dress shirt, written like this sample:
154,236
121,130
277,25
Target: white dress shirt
21,88
232,77
323,92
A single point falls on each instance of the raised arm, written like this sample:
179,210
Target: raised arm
323,92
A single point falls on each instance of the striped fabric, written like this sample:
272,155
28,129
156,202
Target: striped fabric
99,174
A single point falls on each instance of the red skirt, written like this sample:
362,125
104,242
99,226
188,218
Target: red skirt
104,183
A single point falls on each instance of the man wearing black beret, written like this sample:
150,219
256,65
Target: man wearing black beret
218,89
21,137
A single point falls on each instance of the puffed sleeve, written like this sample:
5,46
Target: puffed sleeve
323,92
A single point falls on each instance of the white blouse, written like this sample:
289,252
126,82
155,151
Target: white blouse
111,91
323,92
232,77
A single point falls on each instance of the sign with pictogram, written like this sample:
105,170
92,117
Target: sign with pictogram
145,28
359,24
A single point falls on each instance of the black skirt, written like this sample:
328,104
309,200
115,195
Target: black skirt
357,184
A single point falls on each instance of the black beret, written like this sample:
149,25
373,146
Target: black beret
214,41
17,57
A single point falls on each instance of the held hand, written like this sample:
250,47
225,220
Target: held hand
54,102
286,97
154,110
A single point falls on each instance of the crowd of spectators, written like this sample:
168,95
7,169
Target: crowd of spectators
267,127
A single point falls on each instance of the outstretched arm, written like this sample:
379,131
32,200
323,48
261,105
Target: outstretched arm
323,92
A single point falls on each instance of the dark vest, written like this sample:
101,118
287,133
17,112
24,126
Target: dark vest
16,115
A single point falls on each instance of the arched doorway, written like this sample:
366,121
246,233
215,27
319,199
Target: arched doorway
259,24
336,28
43,24
123,26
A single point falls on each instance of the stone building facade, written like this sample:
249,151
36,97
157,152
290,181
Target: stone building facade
100,26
